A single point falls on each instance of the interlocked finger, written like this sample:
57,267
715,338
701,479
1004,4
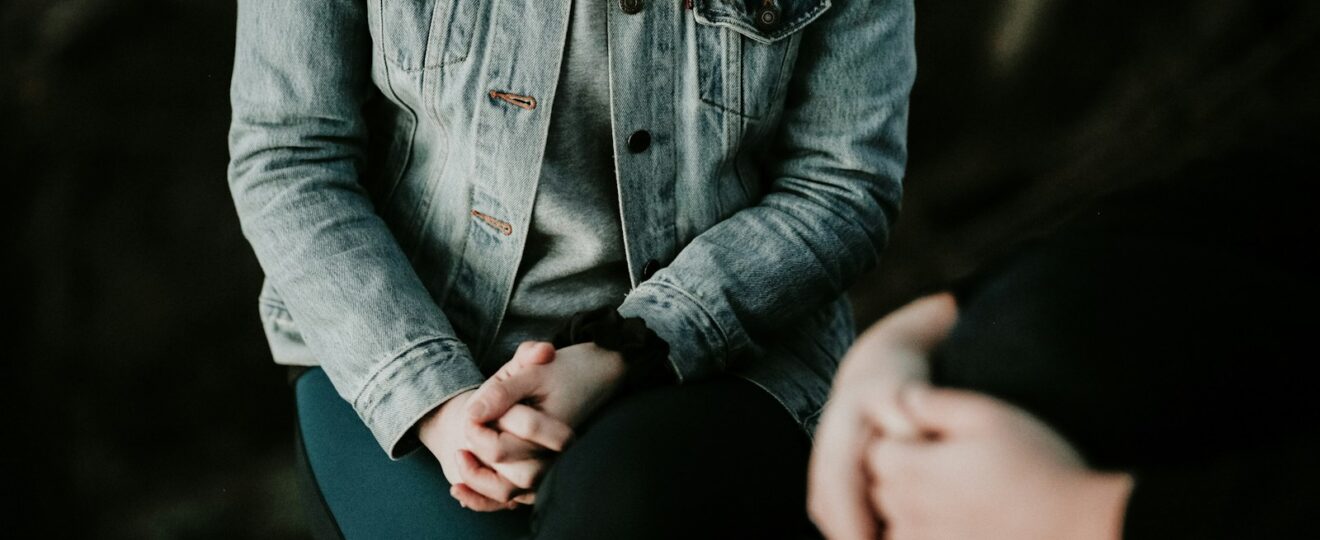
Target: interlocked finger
535,426
492,446
484,480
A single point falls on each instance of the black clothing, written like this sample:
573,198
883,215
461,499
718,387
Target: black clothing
1168,333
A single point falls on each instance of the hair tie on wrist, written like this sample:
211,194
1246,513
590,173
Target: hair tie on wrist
645,353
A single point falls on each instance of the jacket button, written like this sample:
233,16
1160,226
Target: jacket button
631,6
767,17
650,268
639,141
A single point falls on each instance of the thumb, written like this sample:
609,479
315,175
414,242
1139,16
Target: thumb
923,323
529,353
533,352
945,412
506,388
496,396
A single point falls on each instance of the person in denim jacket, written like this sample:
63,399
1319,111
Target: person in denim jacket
433,188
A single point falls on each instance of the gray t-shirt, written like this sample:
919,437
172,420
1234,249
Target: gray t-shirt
574,258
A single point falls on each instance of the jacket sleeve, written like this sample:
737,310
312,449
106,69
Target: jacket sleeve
296,141
826,216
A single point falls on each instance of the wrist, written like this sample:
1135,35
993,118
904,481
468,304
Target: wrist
435,418
614,363
641,356
612,367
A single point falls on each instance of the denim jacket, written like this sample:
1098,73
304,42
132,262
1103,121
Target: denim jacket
385,154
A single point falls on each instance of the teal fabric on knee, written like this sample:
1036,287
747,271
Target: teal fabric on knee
371,496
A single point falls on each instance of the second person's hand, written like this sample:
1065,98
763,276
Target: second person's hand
863,405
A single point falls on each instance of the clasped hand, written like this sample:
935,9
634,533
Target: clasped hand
899,459
495,442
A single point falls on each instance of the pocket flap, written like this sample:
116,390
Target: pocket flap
765,21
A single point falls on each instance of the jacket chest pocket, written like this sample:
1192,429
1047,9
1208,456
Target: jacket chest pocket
745,48
414,35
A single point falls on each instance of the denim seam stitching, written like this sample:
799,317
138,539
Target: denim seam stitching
393,444
444,47
724,335
384,366
732,20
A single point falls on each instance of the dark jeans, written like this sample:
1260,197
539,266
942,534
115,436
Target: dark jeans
711,459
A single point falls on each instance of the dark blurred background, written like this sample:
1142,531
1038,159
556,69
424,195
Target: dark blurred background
146,402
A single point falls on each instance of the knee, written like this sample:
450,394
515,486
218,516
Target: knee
637,485
619,492
712,461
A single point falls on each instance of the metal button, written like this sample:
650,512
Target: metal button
639,141
650,268
767,17
631,6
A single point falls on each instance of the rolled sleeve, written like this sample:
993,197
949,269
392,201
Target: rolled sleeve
405,389
692,331
297,147
827,215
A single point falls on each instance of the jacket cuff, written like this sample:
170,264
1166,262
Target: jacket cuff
699,346
405,389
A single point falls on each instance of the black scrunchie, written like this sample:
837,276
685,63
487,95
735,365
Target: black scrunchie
644,352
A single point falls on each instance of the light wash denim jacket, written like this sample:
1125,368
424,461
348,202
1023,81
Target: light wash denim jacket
385,154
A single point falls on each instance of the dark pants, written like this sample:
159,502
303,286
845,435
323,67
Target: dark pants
712,459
